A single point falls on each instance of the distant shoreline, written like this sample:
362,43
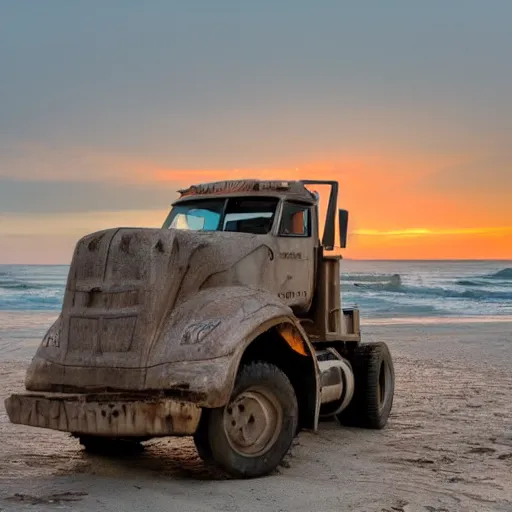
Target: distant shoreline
437,320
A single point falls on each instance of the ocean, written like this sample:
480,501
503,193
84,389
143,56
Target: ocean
384,291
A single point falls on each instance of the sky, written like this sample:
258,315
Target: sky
107,108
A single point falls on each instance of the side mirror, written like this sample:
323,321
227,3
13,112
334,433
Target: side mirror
343,222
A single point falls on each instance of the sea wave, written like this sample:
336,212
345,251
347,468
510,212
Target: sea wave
31,303
450,293
447,293
394,285
467,282
23,285
503,275
32,288
371,278
387,285
420,310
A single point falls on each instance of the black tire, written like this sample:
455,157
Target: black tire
270,383
374,375
201,438
111,445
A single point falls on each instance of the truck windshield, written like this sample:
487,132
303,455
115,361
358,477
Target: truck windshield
242,215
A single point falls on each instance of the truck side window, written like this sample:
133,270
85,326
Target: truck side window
296,220
248,215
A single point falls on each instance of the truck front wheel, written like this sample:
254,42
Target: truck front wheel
374,376
250,436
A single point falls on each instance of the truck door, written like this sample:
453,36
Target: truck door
296,255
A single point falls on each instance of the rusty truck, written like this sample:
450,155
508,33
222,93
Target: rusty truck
225,324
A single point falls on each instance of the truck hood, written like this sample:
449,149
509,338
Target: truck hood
125,285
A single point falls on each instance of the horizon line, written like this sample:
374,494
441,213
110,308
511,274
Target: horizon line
418,260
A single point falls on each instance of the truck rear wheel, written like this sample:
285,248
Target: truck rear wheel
374,387
254,431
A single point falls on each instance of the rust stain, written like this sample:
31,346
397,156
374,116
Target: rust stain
233,186
127,417
160,246
125,243
94,243
93,297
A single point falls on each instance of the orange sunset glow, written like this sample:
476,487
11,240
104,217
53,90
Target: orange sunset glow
393,215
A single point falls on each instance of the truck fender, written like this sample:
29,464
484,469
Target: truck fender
205,338
306,383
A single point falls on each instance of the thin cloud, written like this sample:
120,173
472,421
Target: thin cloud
33,161
421,232
78,224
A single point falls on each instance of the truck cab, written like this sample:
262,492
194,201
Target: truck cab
284,221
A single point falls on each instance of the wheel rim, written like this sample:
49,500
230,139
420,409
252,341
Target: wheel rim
252,422
384,386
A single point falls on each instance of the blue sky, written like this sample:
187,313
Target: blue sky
100,99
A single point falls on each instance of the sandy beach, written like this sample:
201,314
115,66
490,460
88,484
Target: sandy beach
448,446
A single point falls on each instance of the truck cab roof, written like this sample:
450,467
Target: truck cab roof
293,190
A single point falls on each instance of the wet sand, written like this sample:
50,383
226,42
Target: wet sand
448,446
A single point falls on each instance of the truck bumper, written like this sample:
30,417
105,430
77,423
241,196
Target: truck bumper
106,414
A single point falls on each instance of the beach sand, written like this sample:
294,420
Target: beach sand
448,446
